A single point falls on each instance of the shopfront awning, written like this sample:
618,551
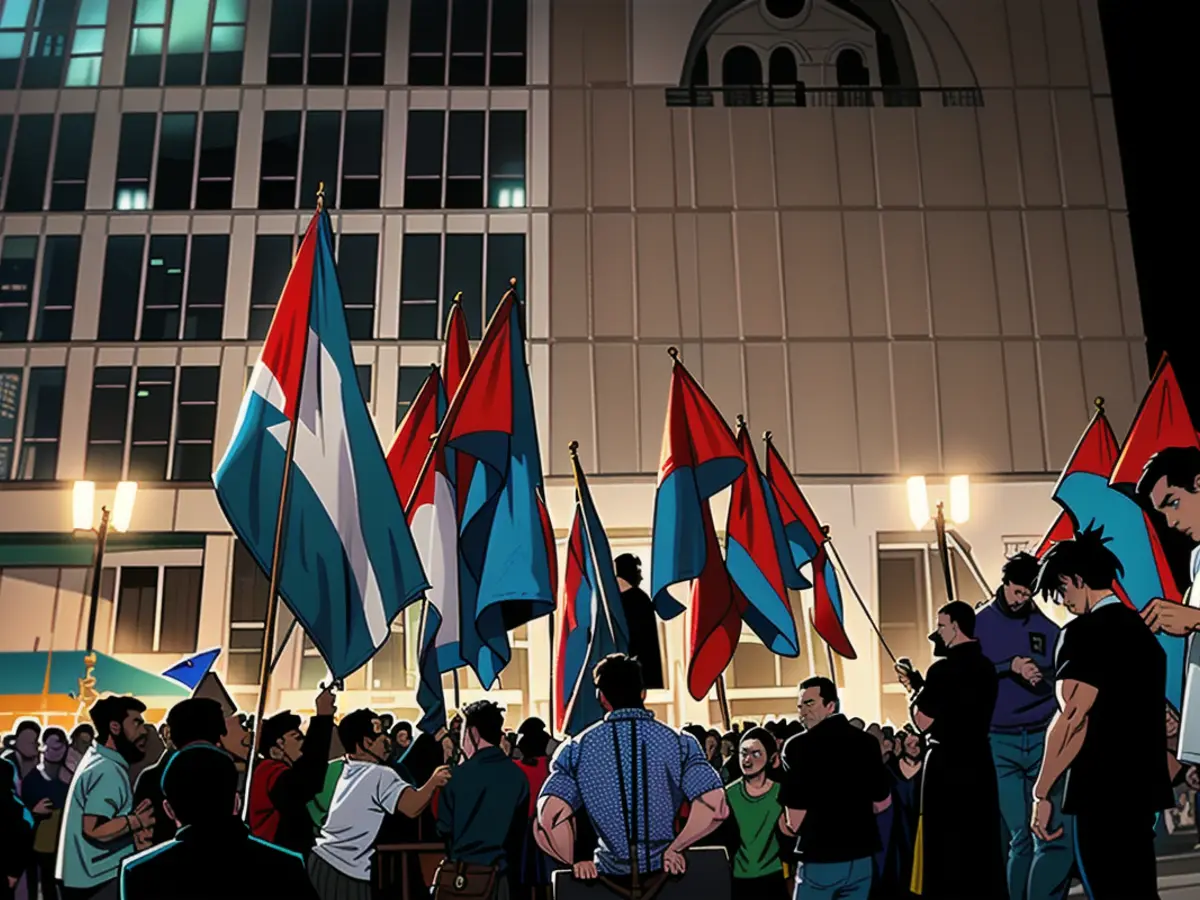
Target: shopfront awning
52,549
23,674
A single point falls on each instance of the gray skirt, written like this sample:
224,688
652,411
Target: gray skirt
330,884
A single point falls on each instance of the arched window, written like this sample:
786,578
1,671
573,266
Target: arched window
785,9
781,68
700,69
741,67
851,70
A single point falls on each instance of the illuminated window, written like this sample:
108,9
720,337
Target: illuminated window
184,173
51,43
186,42
465,159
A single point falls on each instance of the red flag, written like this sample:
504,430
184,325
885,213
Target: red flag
1162,421
456,357
717,607
410,446
1096,454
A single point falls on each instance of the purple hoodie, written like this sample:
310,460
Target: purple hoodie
1002,635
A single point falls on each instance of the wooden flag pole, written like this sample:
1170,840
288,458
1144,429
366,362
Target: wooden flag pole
268,646
854,590
944,551
723,702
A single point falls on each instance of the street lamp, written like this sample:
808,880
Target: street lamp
83,504
960,513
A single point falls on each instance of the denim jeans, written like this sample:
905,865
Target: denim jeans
835,881
1037,870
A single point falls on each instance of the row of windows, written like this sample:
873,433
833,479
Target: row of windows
172,287
145,423
468,159
60,43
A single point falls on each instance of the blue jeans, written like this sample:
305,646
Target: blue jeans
1037,870
834,881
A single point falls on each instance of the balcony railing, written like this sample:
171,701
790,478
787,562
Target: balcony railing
799,95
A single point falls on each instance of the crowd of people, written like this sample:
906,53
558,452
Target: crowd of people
1034,755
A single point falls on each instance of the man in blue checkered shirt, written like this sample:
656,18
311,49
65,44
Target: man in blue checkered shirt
631,774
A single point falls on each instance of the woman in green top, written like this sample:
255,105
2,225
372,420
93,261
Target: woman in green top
753,838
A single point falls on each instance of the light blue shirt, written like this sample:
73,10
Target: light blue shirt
671,768
100,788
1107,601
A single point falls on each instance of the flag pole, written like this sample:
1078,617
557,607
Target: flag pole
944,551
457,400
267,663
854,590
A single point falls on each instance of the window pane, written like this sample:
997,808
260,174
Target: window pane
47,44
410,380
120,287
225,55
134,160
72,156
506,260
423,159
176,161
106,423
162,303
285,62
185,43
280,160
135,610
463,271
250,591
10,403
322,140
43,424
362,159
509,37
208,268
272,262
464,161
468,42
144,64
358,256
387,665
420,267
6,123
363,374
218,150
180,609
327,42
56,299
368,36
17,260
506,159
27,171
153,399
427,42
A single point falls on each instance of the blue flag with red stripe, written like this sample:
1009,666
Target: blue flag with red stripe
508,572
349,564
591,619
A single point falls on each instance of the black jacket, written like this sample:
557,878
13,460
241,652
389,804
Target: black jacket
215,860
149,787
16,830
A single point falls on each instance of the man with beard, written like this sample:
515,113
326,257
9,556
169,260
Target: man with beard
101,827
642,622
958,837
1019,640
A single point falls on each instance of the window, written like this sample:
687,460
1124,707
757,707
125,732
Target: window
56,295
272,262
327,42
10,406
42,424
195,53
467,42
249,596
454,144
18,256
27,171
120,287
409,385
352,157
435,268
385,671
358,261
363,375
140,420
158,609
6,123
58,31
175,308
180,168
195,423
31,161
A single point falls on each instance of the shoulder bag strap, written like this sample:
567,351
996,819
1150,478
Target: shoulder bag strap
626,816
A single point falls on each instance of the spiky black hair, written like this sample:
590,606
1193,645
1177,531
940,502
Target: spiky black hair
1084,556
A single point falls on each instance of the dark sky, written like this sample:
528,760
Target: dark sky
1156,110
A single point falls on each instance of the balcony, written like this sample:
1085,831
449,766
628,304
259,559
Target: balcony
800,95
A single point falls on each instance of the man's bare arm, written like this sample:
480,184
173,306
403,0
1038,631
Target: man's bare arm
790,821
1066,733
708,811
554,829
96,828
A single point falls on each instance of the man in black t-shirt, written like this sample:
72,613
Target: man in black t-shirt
835,784
1108,736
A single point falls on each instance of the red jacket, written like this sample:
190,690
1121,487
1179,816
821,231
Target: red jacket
264,815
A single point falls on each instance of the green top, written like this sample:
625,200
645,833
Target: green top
318,806
757,854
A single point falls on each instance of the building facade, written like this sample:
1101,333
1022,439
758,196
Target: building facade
891,232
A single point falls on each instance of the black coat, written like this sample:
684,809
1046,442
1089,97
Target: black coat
222,860
643,636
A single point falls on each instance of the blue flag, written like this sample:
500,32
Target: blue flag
191,671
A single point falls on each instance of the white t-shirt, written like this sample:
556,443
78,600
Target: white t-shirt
1189,721
365,793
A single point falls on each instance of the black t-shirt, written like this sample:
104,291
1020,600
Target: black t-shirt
960,695
1123,760
835,773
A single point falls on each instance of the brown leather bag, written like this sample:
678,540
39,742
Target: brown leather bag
464,881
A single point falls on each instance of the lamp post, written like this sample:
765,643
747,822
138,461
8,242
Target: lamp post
83,504
960,513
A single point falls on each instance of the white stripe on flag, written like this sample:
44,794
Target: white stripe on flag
322,456
435,531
